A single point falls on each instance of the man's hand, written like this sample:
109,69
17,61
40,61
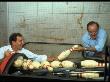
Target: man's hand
7,53
78,48
51,58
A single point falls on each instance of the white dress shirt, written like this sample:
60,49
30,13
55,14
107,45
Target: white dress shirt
28,53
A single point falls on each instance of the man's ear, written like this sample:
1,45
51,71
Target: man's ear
13,42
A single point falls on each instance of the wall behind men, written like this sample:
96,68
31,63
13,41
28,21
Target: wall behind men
3,24
55,21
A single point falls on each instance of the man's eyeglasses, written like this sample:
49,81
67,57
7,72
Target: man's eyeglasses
92,33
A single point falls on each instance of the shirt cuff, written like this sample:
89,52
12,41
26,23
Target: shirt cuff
41,58
98,48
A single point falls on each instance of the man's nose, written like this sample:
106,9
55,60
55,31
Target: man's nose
22,42
94,33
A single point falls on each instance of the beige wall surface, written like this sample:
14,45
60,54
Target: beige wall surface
57,22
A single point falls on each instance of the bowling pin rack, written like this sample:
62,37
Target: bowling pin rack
106,70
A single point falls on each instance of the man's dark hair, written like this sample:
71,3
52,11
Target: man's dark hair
13,37
91,23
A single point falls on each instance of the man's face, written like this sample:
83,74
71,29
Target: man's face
93,29
18,43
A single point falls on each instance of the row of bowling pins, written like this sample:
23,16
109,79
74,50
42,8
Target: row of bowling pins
29,64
